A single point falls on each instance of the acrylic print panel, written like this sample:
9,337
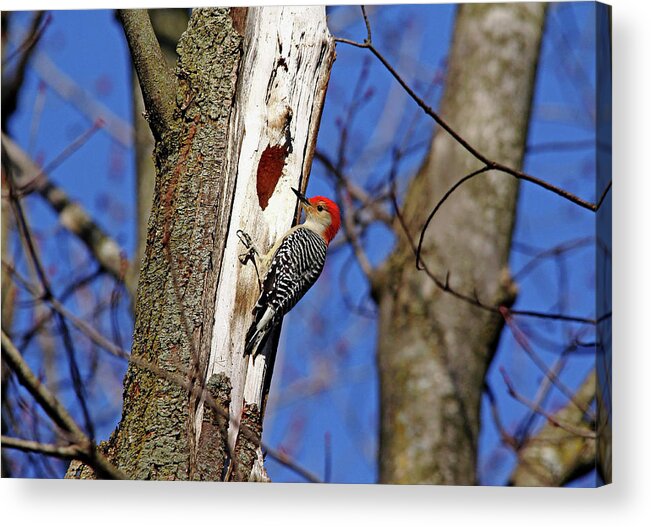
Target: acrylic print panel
452,169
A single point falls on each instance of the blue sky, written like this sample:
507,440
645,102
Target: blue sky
88,46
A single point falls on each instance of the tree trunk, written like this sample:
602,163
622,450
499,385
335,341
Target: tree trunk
434,349
234,129
169,25
286,67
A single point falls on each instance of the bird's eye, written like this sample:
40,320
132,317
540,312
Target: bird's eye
319,208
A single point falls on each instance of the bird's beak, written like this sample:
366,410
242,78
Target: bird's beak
301,197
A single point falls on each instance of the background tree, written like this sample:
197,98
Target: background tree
434,349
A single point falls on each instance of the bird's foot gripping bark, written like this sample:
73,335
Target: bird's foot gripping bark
250,254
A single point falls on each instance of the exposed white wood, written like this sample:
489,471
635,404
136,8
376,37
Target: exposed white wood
288,52
259,473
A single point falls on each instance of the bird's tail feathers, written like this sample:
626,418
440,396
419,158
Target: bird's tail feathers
256,338
259,330
253,339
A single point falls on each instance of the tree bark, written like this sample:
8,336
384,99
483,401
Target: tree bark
288,54
248,90
168,25
434,349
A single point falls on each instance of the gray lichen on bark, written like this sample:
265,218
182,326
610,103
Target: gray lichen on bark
176,291
212,447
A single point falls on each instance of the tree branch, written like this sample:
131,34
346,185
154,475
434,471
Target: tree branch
157,81
72,216
488,163
83,327
356,192
555,419
555,455
444,285
53,408
63,452
11,85
549,374
30,41
181,379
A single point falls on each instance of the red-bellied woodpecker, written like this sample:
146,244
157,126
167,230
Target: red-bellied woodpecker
291,267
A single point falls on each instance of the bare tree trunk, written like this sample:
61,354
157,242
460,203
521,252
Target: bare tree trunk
189,217
234,129
288,54
434,349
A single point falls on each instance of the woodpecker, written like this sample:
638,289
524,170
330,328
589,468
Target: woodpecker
291,267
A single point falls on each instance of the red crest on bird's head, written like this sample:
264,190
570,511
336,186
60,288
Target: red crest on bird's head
335,215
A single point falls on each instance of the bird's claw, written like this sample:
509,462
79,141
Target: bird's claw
244,238
251,253
248,255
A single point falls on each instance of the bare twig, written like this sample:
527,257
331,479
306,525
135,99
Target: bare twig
474,299
505,436
482,170
24,51
356,192
562,146
184,379
104,249
559,249
24,230
568,427
523,429
351,234
82,100
489,164
34,35
53,408
75,145
549,374
41,321
555,456
83,327
63,452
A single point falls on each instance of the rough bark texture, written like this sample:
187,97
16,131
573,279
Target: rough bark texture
169,25
212,447
433,349
230,104
556,456
176,291
183,257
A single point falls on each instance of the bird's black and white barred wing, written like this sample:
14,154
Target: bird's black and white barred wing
294,268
